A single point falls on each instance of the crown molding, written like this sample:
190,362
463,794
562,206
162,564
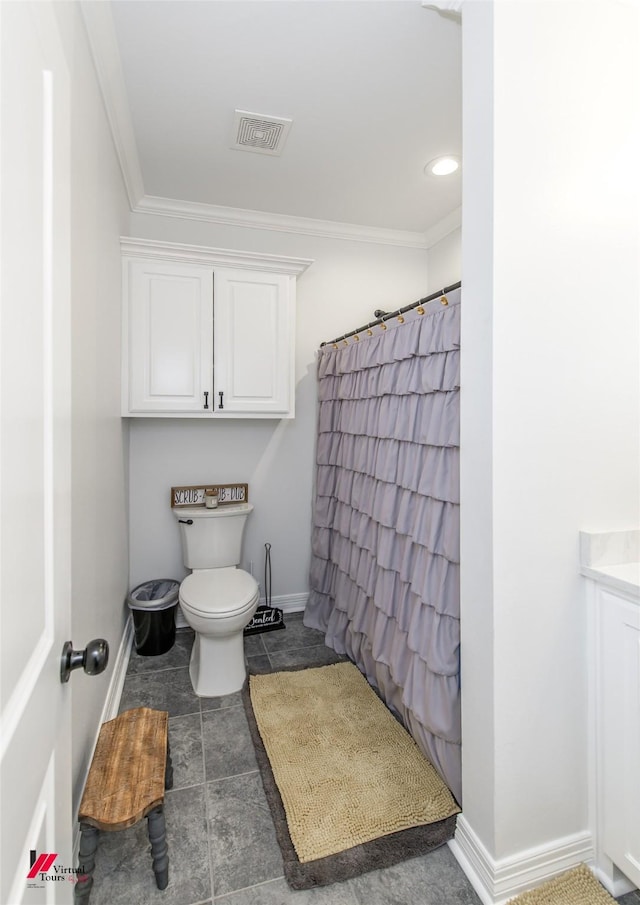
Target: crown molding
306,226
212,257
443,227
100,29
101,34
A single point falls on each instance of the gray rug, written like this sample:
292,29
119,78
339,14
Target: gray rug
383,852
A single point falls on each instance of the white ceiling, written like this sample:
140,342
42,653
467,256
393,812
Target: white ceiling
373,88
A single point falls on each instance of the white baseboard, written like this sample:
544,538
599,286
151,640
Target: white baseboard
498,880
109,710
288,603
114,693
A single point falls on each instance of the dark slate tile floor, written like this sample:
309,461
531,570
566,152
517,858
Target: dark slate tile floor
222,845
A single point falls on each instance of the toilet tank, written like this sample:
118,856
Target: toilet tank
213,540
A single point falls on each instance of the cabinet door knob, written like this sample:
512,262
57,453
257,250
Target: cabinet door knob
206,399
221,394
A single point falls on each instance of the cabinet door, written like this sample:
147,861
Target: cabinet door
170,337
620,709
254,343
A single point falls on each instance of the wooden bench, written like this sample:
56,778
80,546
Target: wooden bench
130,770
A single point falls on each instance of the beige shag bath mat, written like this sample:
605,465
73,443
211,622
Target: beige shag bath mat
346,770
576,887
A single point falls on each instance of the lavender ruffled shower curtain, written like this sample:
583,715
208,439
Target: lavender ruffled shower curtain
385,544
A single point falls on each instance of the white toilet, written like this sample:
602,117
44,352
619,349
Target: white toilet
218,599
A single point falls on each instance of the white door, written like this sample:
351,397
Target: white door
35,777
254,322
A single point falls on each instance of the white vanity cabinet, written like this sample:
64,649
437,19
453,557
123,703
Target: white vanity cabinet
610,560
207,333
618,631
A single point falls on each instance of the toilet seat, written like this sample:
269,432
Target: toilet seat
218,592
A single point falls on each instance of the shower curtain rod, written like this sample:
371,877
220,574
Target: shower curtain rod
383,316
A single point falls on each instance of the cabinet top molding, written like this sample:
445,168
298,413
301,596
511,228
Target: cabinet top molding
212,257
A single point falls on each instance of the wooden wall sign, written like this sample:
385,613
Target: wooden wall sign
194,494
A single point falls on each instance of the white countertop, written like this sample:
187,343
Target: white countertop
621,576
612,559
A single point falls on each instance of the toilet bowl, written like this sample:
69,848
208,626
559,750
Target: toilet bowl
218,604
217,599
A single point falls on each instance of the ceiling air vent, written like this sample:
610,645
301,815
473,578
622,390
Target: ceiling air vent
262,134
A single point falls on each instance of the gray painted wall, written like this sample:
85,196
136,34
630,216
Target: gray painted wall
445,261
99,212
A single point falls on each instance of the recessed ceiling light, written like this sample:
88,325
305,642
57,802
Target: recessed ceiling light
442,166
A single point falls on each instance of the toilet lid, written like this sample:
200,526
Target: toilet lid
216,592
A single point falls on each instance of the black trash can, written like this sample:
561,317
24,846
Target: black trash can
153,606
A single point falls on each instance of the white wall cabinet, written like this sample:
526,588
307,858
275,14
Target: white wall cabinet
253,347
207,333
170,337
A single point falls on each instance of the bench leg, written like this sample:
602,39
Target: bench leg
168,773
86,861
159,850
